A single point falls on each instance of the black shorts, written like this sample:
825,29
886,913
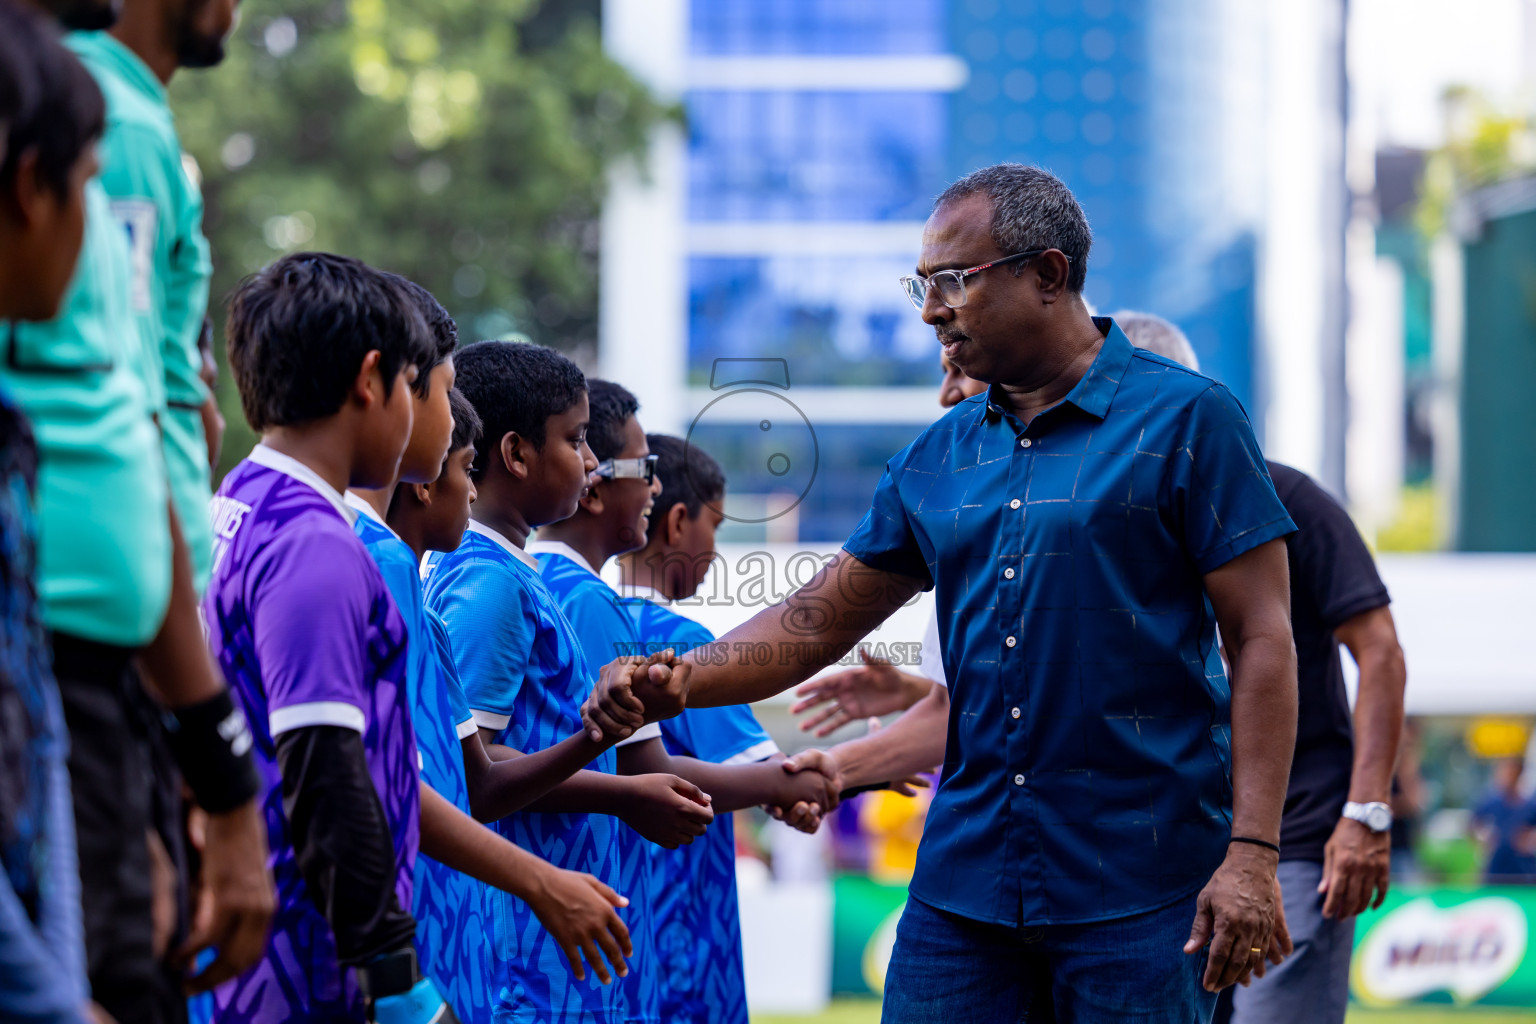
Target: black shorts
124,785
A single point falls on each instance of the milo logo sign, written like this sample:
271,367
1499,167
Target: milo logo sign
1447,946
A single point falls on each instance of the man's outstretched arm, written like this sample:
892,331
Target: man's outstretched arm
778,647
1238,909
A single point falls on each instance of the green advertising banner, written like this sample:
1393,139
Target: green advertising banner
864,915
1462,947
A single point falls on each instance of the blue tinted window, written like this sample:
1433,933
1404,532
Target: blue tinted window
850,460
815,155
817,26
837,319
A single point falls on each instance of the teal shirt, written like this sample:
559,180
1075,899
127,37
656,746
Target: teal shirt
104,560
161,208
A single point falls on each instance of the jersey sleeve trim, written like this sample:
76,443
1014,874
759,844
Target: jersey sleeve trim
466,728
320,712
759,751
489,719
650,731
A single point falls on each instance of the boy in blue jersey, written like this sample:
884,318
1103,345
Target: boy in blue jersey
698,929
446,900
524,672
612,519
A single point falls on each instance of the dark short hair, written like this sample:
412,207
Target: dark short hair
1031,209
612,404
689,475
467,427
445,333
299,330
59,111
515,387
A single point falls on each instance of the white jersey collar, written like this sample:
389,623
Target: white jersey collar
275,460
560,547
505,544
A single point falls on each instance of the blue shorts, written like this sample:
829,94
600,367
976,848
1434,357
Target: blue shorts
948,969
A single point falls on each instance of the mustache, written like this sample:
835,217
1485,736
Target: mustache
948,337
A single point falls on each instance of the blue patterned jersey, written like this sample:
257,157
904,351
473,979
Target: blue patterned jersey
525,677
305,630
606,631
449,904
698,928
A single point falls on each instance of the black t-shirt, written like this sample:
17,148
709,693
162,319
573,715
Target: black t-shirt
1333,579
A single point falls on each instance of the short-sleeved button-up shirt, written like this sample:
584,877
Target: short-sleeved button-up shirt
1087,774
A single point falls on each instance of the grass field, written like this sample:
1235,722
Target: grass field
864,1011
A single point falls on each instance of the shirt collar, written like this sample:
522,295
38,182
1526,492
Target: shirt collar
276,461
1094,393
561,548
361,504
109,50
504,544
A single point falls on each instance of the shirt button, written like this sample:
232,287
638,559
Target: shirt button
1014,503
1025,443
1018,780
1014,712
1007,574
1010,641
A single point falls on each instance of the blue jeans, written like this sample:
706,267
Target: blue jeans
948,969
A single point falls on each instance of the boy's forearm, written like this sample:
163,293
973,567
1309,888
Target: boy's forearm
500,787
731,787
460,842
180,670
586,792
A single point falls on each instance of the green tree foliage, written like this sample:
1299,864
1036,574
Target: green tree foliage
1484,145
463,143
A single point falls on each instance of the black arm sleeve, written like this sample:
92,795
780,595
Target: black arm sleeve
342,840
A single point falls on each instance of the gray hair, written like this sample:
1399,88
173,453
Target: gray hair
1153,333
1031,209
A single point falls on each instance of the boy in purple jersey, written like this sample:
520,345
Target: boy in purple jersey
324,350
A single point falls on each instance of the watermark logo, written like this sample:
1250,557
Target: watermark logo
753,424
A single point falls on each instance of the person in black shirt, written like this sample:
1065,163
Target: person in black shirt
1335,835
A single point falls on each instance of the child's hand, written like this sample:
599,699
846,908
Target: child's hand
812,790
662,685
577,911
667,810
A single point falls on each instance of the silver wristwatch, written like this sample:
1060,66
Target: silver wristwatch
1375,816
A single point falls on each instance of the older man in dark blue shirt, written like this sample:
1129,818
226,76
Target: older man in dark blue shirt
1109,805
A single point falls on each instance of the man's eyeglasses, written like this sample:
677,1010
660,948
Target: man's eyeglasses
951,283
643,468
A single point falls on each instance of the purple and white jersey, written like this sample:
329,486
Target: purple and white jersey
307,634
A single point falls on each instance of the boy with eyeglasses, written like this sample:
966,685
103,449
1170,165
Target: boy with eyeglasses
525,673
611,520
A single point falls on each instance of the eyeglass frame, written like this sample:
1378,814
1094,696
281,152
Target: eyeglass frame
960,276
642,467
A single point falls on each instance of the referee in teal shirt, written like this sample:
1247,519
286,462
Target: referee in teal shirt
1104,840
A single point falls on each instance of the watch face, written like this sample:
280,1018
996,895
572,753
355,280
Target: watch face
1378,819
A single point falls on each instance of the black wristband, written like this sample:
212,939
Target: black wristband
1254,842
853,791
212,745
389,974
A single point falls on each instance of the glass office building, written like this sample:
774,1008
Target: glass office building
818,133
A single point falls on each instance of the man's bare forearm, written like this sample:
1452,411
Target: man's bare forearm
787,643
1263,733
499,787
913,743
1372,640
179,669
